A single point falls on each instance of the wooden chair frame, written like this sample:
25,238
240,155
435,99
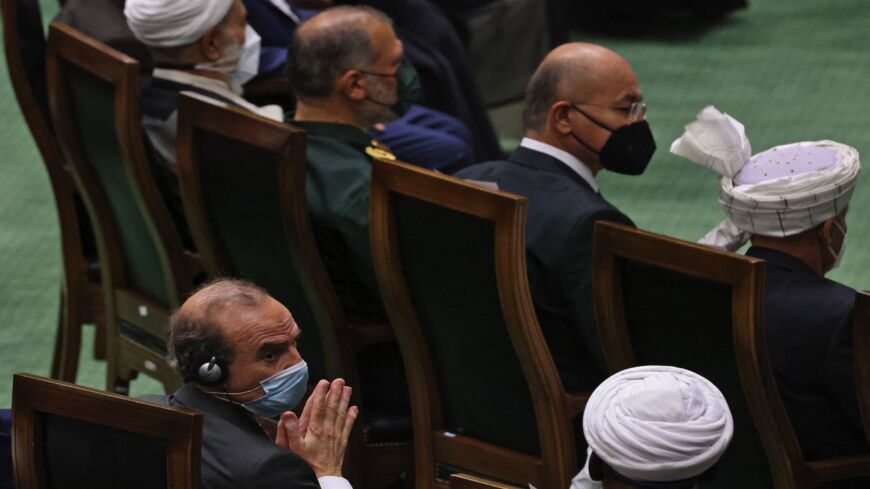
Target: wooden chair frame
66,45
33,395
861,355
553,407
616,243
81,300
466,481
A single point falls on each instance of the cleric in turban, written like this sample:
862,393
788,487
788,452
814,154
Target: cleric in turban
791,202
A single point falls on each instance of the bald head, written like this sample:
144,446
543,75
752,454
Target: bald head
577,72
330,43
197,330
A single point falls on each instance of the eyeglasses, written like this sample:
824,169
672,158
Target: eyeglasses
635,111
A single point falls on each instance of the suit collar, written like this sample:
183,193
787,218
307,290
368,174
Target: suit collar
537,160
780,259
193,398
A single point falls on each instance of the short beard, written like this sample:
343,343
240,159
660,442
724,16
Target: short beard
372,112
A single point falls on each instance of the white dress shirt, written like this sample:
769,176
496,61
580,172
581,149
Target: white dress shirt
568,159
222,88
333,482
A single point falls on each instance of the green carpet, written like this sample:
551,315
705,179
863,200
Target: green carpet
789,70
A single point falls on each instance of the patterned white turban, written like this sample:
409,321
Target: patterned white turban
656,424
780,192
173,23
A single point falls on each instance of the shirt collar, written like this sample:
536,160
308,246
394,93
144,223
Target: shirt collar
568,159
219,87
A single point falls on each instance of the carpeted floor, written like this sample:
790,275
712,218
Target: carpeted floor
789,70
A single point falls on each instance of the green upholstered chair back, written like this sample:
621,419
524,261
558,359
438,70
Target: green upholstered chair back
450,260
93,115
70,436
94,95
447,258
243,185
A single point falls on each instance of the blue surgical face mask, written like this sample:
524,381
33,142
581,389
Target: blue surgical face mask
283,390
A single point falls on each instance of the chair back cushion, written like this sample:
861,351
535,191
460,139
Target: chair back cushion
447,258
82,454
242,194
93,106
676,319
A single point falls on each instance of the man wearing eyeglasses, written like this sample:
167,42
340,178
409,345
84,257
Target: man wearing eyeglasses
583,112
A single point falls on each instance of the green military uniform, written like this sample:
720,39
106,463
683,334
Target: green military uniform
337,186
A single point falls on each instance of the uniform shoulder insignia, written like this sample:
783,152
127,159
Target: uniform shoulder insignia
380,153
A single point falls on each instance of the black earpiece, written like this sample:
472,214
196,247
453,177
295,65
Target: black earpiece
211,371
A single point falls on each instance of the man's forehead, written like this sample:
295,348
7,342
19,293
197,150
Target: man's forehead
384,39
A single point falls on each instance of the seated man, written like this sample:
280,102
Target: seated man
791,201
197,45
583,112
235,348
347,69
653,426
423,136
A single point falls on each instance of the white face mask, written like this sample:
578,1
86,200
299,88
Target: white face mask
838,257
249,63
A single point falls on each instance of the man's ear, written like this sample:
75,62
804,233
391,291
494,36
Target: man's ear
210,44
826,232
353,84
559,117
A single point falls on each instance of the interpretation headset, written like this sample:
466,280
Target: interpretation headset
211,371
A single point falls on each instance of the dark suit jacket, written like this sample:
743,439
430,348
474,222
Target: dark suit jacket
562,212
808,320
236,451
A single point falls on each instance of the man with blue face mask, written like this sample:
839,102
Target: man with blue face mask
791,202
235,348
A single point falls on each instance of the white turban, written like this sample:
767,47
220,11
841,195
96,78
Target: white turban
173,23
780,192
656,424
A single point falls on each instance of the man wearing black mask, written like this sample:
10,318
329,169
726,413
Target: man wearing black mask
583,112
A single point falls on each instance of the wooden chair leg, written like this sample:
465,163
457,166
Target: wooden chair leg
57,356
97,307
69,338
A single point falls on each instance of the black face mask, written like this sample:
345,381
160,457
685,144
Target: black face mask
628,150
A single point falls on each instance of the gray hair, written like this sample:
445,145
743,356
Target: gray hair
195,332
319,54
543,89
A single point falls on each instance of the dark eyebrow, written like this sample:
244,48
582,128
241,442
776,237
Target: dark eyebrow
271,346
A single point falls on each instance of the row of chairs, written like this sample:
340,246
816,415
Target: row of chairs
450,260
73,436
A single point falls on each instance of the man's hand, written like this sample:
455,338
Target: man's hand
320,435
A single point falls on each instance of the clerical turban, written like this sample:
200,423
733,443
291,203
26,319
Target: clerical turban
657,423
780,192
173,23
